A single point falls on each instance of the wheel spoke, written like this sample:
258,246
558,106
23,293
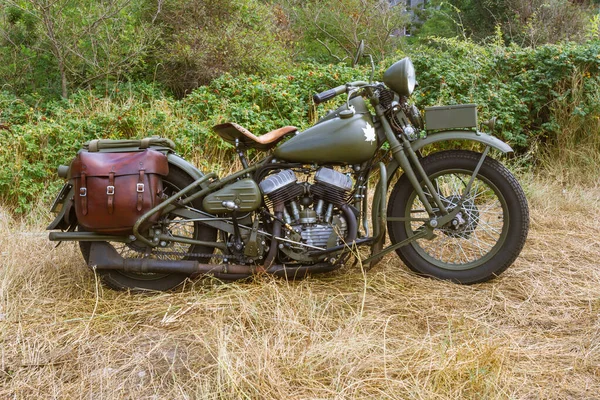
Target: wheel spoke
481,212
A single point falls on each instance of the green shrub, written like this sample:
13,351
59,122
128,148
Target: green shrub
519,85
330,30
202,39
38,136
540,95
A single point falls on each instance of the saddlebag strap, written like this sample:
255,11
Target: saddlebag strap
83,194
140,191
110,192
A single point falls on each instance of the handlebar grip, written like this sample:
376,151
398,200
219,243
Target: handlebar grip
328,94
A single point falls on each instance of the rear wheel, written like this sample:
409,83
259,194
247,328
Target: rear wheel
120,280
484,238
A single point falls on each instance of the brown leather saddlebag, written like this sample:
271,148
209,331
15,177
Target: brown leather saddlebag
112,190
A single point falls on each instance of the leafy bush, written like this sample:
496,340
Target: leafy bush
521,86
204,39
53,47
332,29
524,22
536,93
38,136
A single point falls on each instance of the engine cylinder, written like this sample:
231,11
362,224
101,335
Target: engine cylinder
281,187
331,186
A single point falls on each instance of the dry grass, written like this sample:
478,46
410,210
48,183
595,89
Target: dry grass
532,333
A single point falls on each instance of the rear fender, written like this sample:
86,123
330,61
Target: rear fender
186,167
65,217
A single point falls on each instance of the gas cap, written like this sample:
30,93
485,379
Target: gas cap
346,114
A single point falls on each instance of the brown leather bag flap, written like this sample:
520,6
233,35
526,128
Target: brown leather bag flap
119,164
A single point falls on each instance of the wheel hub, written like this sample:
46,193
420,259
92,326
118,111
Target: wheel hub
465,222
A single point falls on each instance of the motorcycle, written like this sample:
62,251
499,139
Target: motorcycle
146,219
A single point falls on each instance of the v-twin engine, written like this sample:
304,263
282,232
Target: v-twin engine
315,211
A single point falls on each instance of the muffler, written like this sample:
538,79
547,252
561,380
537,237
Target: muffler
104,256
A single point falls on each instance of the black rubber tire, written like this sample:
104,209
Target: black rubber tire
514,221
173,182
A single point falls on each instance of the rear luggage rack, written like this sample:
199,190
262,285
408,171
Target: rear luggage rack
128,145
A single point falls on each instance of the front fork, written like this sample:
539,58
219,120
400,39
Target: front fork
446,216
408,160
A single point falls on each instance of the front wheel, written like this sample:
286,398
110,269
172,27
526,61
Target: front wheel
487,234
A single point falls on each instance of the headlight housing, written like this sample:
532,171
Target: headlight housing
401,77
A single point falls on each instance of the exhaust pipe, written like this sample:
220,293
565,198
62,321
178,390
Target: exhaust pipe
104,256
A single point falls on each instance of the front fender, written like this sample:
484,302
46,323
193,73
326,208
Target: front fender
475,136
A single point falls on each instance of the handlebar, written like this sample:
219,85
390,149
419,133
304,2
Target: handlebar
329,94
348,87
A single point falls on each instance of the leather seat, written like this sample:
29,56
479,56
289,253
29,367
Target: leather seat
230,131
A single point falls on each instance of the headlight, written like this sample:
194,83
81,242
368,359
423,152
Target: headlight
401,77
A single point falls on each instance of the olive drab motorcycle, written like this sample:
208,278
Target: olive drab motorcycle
146,219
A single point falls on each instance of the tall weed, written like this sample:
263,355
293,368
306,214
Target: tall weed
573,153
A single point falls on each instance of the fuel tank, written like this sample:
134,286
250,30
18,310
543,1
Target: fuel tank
341,137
